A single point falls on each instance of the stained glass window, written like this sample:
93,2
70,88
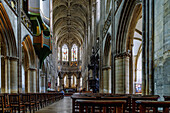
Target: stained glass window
58,53
64,53
74,52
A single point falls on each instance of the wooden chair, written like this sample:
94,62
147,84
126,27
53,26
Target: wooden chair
4,105
26,100
40,100
34,99
15,103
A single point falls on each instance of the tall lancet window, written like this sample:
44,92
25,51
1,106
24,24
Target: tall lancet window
64,53
74,52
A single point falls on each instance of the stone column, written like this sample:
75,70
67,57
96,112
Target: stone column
2,75
122,73
147,47
19,54
106,78
31,81
113,48
131,76
78,84
119,79
52,82
5,77
126,73
151,49
43,83
143,47
13,75
61,83
102,21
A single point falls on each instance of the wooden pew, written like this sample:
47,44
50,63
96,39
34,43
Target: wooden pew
98,96
154,105
166,98
135,106
26,100
105,104
75,107
4,105
127,106
16,103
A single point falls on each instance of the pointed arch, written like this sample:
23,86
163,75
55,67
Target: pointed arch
107,51
6,31
29,49
128,10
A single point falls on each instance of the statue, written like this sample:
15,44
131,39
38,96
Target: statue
94,66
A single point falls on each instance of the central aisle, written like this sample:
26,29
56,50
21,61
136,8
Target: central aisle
61,106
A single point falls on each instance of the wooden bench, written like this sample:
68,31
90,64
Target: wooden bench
75,106
166,98
154,105
104,105
98,96
135,106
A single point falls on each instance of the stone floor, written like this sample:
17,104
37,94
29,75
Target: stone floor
62,106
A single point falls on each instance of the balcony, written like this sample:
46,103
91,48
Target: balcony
43,46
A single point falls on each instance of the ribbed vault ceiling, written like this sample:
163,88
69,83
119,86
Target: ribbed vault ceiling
69,20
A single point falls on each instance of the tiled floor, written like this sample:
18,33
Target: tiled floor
62,106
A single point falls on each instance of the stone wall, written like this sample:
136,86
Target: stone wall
162,47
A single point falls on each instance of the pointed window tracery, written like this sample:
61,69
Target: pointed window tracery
74,52
64,53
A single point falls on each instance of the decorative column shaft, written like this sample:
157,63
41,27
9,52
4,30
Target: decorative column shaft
2,75
143,47
61,83
13,75
113,49
151,58
43,83
102,18
19,55
78,84
5,77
